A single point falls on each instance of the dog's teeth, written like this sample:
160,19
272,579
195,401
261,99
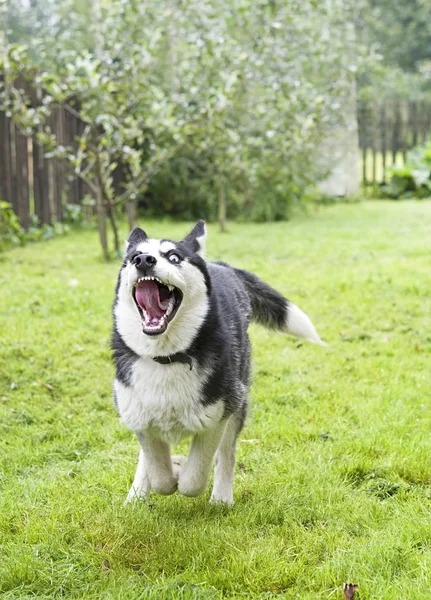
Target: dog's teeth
170,307
170,287
149,278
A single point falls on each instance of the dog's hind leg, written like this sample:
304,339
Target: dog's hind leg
141,485
196,471
225,463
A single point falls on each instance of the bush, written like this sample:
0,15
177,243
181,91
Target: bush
413,180
11,232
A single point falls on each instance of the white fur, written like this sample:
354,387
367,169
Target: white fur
162,405
158,463
166,398
195,473
300,325
141,485
191,313
225,464
202,242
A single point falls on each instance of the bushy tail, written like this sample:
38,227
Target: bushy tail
272,310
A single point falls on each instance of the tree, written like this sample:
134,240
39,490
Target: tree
402,31
245,89
128,119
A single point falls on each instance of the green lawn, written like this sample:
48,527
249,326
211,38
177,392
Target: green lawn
333,480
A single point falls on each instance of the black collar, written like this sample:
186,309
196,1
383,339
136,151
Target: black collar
180,357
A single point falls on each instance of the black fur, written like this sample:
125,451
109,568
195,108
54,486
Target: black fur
137,235
222,345
191,239
123,356
269,307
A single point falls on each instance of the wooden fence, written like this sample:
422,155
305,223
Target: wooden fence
33,184
37,186
387,130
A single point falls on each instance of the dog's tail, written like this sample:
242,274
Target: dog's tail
271,309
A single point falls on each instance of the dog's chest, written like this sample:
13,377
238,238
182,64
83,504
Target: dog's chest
167,398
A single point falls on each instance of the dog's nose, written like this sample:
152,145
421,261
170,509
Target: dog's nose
144,260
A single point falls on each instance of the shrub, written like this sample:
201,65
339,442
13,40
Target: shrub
413,180
11,232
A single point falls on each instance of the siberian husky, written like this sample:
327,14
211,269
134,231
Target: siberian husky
182,357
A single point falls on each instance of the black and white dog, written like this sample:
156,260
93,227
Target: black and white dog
182,358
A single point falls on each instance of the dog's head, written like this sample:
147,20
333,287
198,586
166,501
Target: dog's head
163,291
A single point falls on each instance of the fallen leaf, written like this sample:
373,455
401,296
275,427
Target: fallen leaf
250,441
349,590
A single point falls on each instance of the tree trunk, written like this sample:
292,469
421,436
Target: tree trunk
113,219
105,209
221,204
101,221
131,213
248,192
110,210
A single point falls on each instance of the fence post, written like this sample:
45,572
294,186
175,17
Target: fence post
6,192
22,188
414,122
374,125
383,137
395,132
404,129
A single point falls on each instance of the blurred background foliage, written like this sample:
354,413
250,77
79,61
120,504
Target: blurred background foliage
399,34
235,95
212,110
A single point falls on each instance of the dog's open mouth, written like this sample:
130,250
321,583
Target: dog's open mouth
157,304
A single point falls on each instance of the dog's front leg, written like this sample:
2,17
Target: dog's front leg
195,473
141,485
158,464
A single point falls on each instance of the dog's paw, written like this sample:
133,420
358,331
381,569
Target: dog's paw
178,460
137,493
225,499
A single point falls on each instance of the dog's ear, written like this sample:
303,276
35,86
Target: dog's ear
136,236
195,240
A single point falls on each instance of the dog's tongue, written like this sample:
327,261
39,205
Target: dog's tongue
147,296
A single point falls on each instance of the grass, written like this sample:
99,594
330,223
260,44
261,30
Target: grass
337,483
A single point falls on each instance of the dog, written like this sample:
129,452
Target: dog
182,358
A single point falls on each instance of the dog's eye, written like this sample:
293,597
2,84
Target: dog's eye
174,258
